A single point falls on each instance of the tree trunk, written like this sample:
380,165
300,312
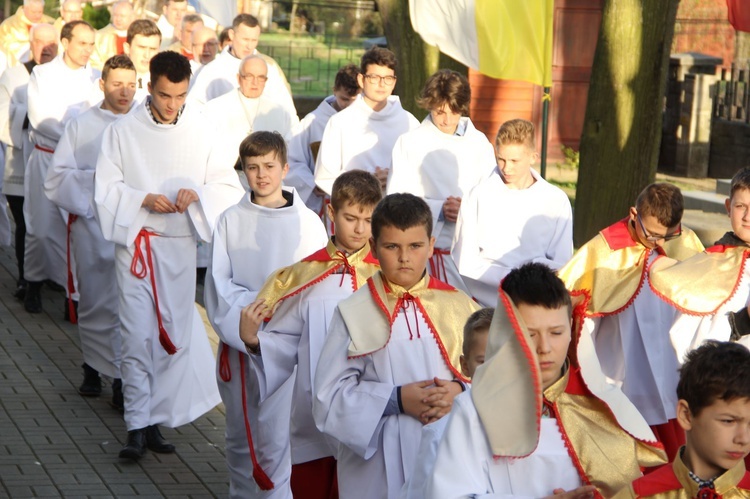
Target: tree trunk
416,60
622,128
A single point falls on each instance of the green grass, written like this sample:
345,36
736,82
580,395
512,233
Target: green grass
310,63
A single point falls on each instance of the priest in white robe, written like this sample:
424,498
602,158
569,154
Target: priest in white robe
110,40
58,91
159,186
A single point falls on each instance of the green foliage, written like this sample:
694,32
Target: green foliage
98,17
572,158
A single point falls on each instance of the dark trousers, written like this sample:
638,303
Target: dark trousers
16,209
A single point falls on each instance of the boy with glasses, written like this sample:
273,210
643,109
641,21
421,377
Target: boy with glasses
630,321
362,136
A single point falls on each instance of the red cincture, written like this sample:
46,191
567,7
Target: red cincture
408,301
707,493
348,269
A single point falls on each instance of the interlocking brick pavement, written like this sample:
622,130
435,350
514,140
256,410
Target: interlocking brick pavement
55,443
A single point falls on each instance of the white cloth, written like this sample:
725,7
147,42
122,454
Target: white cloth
236,117
140,157
295,337
499,229
250,242
167,32
220,76
635,354
377,453
435,165
141,87
465,466
359,138
301,159
70,185
13,109
56,95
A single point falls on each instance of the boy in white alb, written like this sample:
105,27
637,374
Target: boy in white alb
70,185
441,161
159,185
512,217
302,299
268,229
362,136
141,45
306,136
390,362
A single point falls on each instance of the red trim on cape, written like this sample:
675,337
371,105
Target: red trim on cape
719,248
572,452
660,481
644,273
435,283
745,482
439,342
321,255
617,235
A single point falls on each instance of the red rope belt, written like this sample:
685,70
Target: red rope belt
71,283
44,149
140,267
260,477
437,264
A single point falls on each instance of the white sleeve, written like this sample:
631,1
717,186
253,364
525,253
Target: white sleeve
223,298
414,488
301,162
560,249
5,121
43,113
345,406
329,163
67,185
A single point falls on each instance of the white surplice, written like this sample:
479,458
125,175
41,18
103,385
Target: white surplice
251,242
465,466
56,95
13,109
220,76
435,165
70,185
359,138
499,229
309,131
377,453
139,157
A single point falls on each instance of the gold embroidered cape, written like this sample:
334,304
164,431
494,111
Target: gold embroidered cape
14,34
369,315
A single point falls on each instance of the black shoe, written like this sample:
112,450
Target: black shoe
66,315
155,442
92,383
117,398
54,286
20,292
32,301
135,447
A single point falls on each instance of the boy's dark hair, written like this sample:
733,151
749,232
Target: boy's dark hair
446,87
261,143
516,131
536,284
67,29
143,27
120,61
246,19
224,36
741,180
663,201
175,67
714,371
190,19
346,79
356,187
402,211
478,321
379,57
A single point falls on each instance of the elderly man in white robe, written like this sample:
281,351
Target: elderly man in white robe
57,93
14,133
205,45
160,184
70,185
220,76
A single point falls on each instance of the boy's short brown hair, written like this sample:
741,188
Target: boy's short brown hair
516,131
741,180
379,57
120,61
261,143
477,322
402,211
346,79
446,87
143,27
356,187
714,371
663,201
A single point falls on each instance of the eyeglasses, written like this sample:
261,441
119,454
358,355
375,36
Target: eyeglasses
376,79
654,238
252,77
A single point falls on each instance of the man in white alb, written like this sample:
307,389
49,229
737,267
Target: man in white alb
142,44
169,21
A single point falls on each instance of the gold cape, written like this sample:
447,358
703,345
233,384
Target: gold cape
14,34
702,284
612,266
369,314
291,280
105,46
606,437
673,481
